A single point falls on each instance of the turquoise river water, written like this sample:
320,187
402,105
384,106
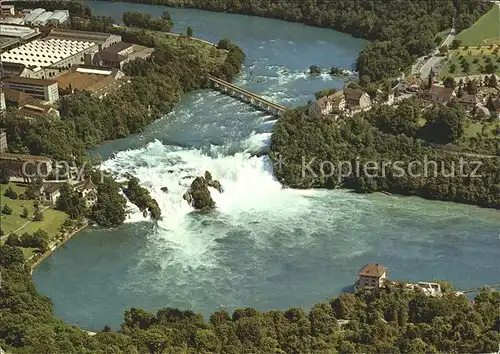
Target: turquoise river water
264,247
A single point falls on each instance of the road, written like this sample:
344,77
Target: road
425,69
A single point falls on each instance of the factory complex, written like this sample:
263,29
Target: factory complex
41,64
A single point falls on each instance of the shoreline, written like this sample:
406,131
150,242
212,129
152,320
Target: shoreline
54,248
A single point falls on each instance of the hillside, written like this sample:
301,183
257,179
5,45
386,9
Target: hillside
486,30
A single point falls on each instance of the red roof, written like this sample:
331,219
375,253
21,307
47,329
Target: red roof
373,270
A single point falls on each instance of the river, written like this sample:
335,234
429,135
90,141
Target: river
264,247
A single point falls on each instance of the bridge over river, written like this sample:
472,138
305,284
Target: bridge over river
255,100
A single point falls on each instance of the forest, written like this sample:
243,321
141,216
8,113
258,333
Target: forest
321,153
391,321
400,30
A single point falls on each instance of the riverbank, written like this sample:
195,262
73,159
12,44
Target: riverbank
35,261
359,156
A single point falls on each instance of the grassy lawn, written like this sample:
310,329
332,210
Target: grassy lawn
53,219
474,128
486,30
471,54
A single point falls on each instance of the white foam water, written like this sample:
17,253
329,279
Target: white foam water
250,193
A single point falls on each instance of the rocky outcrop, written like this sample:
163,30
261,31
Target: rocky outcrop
198,195
140,196
212,182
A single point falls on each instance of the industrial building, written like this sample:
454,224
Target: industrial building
8,10
29,106
12,21
12,35
59,17
47,58
46,90
120,53
3,140
30,17
18,31
103,40
97,81
2,100
42,19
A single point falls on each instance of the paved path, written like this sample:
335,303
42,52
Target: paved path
22,227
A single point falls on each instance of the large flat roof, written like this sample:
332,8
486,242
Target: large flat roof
43,53
17,31
7,41
97,37
34,14
26,80
22,157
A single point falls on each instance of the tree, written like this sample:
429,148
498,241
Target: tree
10,256
166,15
444,124
453,68
109,209
24,213
6,210
70,202
325,92
13,240
4,174
492,81
456,43
189,32
443,50
10,193
471,87
490,68
224,43
449,82
38,216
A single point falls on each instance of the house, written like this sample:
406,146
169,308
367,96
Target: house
50,192
356,100
87,190
430,289
326,104
469,101
441,94
372,276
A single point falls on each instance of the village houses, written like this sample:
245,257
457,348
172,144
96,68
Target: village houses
352,100
441,94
